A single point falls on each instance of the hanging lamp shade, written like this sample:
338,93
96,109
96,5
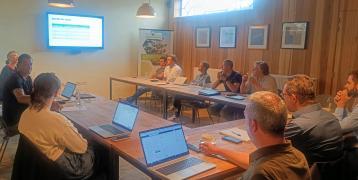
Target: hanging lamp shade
145,11
61,3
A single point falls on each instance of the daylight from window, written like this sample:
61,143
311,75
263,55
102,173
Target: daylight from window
200,7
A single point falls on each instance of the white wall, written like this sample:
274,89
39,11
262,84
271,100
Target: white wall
22,28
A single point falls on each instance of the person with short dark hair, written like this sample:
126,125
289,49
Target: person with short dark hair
17,90
275,157
261,80
8,70
348,120
52,133
159,74
313,131
202,79
231,81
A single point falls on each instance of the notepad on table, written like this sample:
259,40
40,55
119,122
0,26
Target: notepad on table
236,133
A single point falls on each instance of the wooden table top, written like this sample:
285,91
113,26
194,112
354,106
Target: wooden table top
100,111
187,90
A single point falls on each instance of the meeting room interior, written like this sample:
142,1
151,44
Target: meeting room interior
179,89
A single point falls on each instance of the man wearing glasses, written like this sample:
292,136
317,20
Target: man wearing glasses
313,131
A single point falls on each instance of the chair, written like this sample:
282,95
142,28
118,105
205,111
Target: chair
9,132
31,164
196,106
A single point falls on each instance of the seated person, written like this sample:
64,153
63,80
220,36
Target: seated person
173,70
275,157
348,121
159,74
259,81
201,79
52,133
313,131
8,69
231,80
16,94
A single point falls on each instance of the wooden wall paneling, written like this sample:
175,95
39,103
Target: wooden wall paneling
319,59
347,61
334,27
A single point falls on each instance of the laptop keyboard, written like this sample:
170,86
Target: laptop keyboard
178,166
111,129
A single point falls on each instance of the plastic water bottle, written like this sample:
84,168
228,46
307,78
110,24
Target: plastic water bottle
78,98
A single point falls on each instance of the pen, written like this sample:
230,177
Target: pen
238,134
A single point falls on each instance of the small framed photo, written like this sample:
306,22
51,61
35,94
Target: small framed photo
227,37
294,35
202,37
258,37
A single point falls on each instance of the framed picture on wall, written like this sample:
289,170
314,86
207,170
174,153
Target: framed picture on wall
227,37
294,35
258,37
202,37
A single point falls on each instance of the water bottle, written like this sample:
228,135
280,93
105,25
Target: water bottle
78,98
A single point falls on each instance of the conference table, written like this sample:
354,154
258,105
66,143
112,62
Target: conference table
173,89
100,111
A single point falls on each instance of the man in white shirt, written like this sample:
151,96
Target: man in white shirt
172,71
348,121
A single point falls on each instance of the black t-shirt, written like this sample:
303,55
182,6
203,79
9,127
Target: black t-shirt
234,77
12,110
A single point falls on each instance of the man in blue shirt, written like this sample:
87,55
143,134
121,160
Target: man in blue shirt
348,120
17,91
202,80
313,131
231,80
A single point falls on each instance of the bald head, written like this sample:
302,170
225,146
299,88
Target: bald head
269,110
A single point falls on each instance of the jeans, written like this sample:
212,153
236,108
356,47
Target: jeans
140,91
225,111
177,103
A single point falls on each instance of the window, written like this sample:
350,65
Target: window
201,7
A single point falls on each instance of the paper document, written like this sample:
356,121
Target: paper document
236,133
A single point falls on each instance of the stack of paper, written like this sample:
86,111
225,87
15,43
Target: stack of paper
236,133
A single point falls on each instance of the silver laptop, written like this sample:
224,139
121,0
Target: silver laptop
67,92
122,124
166,153
180,81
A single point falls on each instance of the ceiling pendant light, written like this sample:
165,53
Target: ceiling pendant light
61,3
146,11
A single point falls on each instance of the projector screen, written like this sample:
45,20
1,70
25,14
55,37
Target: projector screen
73,31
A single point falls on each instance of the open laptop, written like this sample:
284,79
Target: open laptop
67,92
122,124
166,153
180,81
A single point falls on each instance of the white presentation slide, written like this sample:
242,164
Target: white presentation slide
75,31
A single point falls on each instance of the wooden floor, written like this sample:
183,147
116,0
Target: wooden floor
127,171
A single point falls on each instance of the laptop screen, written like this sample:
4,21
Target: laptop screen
68,90
163,144
125,116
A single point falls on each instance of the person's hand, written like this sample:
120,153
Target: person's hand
209,148
341,98
222,77
245,77
56,106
